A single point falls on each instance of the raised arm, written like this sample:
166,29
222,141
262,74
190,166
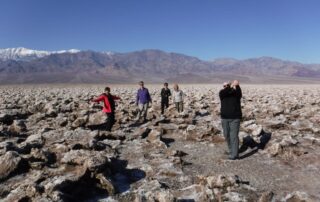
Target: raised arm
116,97
238,92
99,99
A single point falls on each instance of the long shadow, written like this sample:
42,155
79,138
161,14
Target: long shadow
88,187
101,126
122,177
249,154
164,121
136,124
167,141
249,142
264,139
240,181
202,115
140,123
81,190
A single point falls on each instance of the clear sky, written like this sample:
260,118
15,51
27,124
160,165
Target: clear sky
208,29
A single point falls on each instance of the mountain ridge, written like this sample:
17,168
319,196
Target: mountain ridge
152,65
21,53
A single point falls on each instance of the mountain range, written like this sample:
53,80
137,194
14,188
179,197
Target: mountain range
28,54
21,66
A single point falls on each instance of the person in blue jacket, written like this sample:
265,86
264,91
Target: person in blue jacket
142,101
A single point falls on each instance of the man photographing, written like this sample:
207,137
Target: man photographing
230,97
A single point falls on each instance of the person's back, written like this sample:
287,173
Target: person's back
177,95
111,102
108,107
143,96
231,115
108,102
231,102
142,101
165,94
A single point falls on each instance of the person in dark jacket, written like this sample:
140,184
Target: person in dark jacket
108,107
165,94
142,101
230,97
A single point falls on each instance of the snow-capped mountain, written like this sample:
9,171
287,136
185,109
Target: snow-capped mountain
109,53
28,54
73,66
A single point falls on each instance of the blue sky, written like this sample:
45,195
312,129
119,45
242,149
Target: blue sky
208,29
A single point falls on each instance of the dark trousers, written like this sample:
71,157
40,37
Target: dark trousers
164,105
110,121
230,132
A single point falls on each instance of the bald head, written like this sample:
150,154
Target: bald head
226,84
235,83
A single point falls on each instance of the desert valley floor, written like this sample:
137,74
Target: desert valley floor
53,146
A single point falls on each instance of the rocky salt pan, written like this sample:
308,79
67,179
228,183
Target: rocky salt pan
52,147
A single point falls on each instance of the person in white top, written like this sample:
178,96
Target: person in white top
177,96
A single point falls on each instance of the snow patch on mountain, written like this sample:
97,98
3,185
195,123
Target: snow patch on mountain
21,53
109,53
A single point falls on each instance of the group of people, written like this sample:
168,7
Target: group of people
143,100
230,97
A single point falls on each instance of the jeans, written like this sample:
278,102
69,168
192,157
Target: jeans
231,132
179,106
143,109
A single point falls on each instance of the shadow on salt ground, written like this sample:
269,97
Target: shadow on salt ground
122,177
167,141
102,126
202,114
136,124
249,142
86,188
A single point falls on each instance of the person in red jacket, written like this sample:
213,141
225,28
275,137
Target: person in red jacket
108,107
